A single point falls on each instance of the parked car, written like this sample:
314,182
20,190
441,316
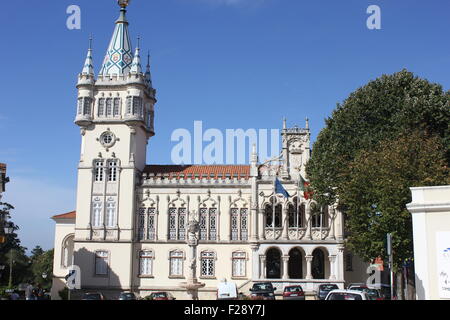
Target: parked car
127,295
93,296
227,291
160,296
372,293
324,289
293,293
356,285
347,295
262,291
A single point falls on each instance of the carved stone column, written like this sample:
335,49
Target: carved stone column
332,259
261,223
262,266
285,267
309,260
332,223
340,262
284,234
308,222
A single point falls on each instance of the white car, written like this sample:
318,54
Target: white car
347,295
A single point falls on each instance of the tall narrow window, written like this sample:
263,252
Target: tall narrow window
137,106
97,213
129,105
176,263
141,223
244,224
116,109
101,107
181,223
109,106
151,235
111,213
101,263
99,171
80,106
172,224
146,263
234,224
203,224
87,106
112,171
208,264
239,264
213,224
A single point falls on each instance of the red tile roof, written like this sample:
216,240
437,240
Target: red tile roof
198,171
69,215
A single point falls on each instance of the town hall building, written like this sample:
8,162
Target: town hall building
129,230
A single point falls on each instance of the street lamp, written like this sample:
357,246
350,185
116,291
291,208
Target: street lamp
44,275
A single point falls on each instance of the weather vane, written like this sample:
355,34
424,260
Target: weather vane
123,3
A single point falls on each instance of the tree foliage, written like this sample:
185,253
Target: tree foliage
353,157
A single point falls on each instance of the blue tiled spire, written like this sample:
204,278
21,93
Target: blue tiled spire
148,75
119,57
88,67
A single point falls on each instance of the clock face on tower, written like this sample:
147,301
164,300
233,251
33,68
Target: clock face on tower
107,139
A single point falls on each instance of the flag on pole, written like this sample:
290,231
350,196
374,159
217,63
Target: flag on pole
280,189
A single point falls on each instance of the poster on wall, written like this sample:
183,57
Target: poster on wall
443,263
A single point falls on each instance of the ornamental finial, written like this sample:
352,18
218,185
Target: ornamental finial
123,3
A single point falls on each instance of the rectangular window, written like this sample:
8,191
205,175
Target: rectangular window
116,110
244,224
172,224
129,105
109,110
101,107
182,224
141,224
87,106
207,264
137,106
99,171
146,263
213,224
112,172
80,106
176,263
101,263
239,259
234,224
151,224
203,224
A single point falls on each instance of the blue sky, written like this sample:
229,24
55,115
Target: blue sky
230,63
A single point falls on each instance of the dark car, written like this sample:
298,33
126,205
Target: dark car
93,296
160,296
293,293
127,296
324,289
262,291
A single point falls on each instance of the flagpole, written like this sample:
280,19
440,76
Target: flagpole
273,205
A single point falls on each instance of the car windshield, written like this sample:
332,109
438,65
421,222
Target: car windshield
262,286
293,289
160,295
92,296
344,296
328,287
127,295
359,288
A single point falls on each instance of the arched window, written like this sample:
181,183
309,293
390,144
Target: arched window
273,214
67,251
111,211
97,212
296,214
146,263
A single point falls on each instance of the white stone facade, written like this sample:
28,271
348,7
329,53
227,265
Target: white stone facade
129,231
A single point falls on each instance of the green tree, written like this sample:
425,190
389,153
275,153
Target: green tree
387,136
42,264
378,191
381,110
